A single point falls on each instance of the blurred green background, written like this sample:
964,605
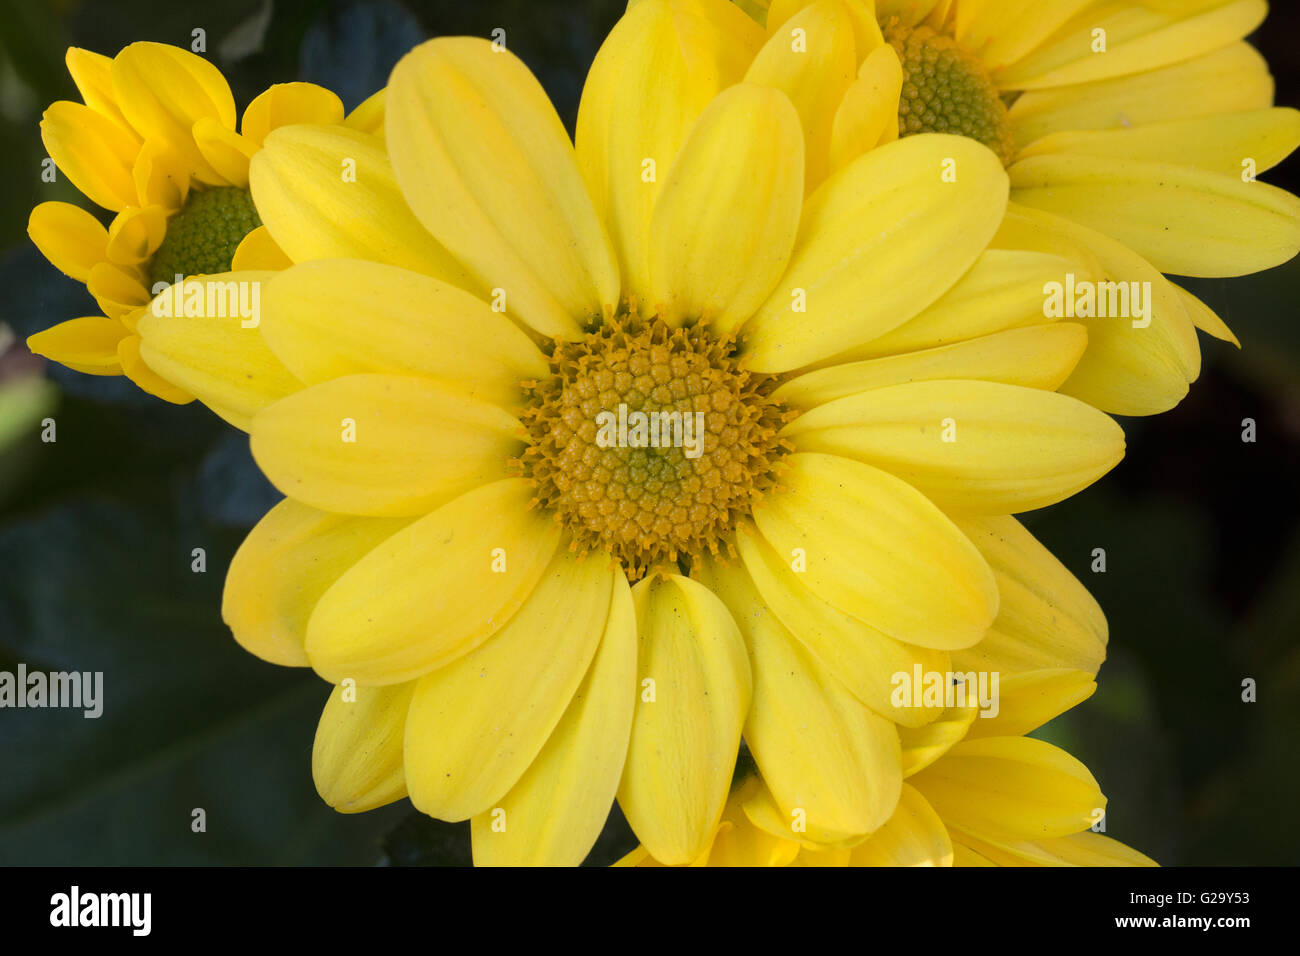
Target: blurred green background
1202,587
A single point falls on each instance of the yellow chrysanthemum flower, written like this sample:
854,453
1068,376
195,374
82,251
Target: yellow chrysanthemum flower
155,143
977,793
1137,127
509,597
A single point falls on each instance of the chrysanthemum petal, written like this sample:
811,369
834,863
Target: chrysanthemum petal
164,90
695,687
330,193
487,167
661,65
1093,849
1182,220
723,228
477,724
224,150
1027,700
812,58
913,836
213,354
554,814
71,238
1234,79
337,317
971,447
288,104
1047,619
887,215
1037,356
922,746
373,444
868,113
87,344
160,175
135,234
876,548
290,558
1015,788
368,117
1128,369
858,655
92,72
1220,143
825,756
1138,37
416,628
356,760
117,289
1205,318
257,251
1004,31
93,151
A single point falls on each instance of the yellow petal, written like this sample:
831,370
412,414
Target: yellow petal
92,73
1039,356
136,233
913,836
486,165
336,317
287,104
1047,619
695,687
134,368
195,335
880,550
224,150
117,289
922,746
724,226
1027,700
1093,849
886,216
161,177
356,760
1205,318
71,238
1005,31
442,597
661,65
970,447
1128,369
877,549
330,193
812,58
1015,788
86,345
368,117
858,655
258,251
164,90
290,558
1228,143
476,724
868,114
554,814
382,444
93,151
1138,38
1234,79
1183,220
831,764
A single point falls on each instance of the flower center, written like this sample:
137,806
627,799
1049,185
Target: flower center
650,442
201,239
947,90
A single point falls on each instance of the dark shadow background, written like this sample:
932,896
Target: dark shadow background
1202,587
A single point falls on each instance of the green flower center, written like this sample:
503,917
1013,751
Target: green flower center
947,90
650,442
201,239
